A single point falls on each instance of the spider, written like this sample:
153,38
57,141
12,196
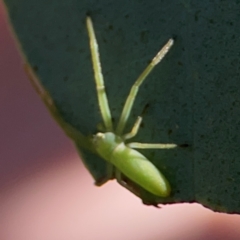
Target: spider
110,144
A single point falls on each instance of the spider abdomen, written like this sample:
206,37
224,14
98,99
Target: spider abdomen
139,169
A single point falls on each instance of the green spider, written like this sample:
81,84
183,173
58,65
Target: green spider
110,144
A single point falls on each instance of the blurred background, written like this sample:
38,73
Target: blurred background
47,194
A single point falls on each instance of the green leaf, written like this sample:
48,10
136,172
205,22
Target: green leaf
193,95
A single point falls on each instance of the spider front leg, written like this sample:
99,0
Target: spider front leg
100,87
70,131
134,90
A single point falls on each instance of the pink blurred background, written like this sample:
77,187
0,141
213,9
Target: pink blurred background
47,194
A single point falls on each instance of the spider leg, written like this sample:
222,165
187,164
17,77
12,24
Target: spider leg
70,131
101,93
134,130
136,125
138,145
125,184
109,175
134,90
134,188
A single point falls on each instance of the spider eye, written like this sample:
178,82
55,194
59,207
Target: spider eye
100,135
